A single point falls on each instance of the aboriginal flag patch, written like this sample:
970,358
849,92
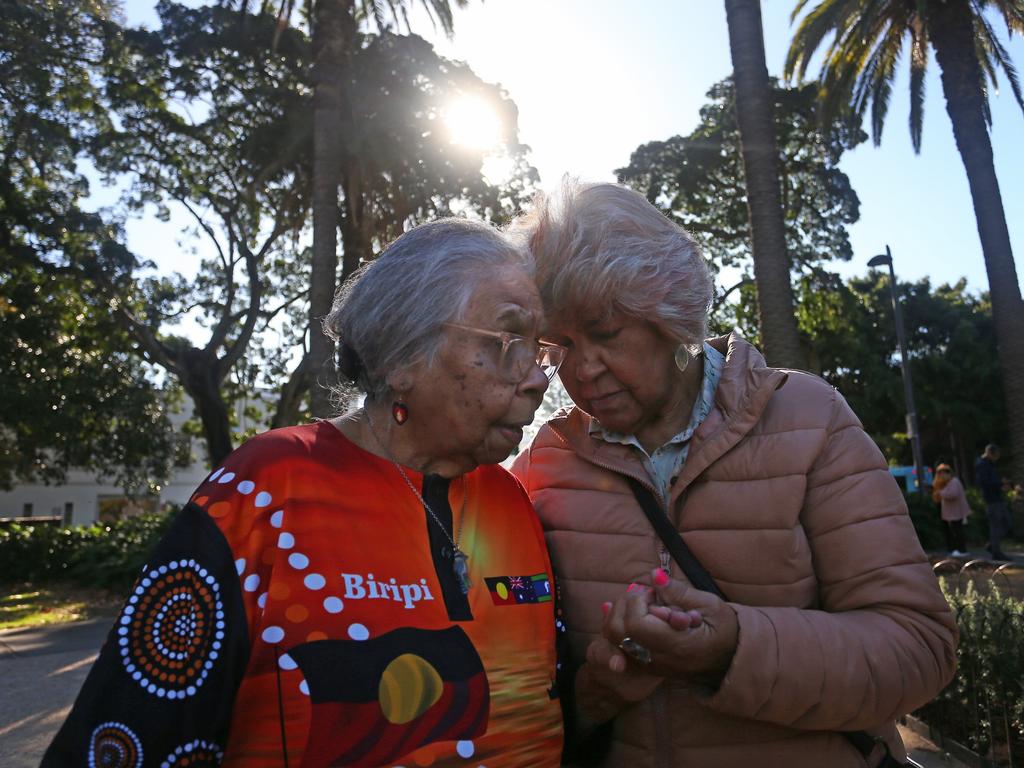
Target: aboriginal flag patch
519,590
379,699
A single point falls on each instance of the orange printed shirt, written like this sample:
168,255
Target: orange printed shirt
304,610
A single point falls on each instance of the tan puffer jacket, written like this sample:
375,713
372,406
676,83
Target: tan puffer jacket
791,509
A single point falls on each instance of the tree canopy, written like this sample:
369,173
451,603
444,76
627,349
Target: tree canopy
697,180
212,115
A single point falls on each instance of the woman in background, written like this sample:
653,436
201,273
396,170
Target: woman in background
955,509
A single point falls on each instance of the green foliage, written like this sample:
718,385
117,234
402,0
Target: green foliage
697,180
865,46
849,329
49,111
984,705
74,393
101,555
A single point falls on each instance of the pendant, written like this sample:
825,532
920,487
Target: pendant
460,565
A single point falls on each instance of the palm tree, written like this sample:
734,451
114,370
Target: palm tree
754,99
335,25
858,72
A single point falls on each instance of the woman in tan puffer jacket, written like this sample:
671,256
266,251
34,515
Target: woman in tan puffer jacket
833,621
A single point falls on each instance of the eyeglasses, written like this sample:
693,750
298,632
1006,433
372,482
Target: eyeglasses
518,353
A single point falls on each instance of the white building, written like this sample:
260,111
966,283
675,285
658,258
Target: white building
81,499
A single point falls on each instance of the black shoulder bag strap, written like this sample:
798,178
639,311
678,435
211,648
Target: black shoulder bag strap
698,575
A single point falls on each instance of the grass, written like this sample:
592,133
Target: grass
30,605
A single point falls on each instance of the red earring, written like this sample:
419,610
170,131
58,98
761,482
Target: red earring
399,412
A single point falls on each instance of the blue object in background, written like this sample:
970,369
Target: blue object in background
908,477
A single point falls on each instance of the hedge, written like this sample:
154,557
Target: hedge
108,555
983,708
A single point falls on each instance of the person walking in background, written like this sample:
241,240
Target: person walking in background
986,475
949,492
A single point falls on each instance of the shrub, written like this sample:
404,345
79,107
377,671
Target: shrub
927,520
108,555
983,708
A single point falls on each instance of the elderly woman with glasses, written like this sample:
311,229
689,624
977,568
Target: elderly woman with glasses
369,590
740,581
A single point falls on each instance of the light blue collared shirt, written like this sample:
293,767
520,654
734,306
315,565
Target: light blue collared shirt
667,461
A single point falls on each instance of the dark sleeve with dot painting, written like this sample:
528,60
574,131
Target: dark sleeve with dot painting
162,689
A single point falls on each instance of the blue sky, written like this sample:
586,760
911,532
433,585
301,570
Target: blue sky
594,79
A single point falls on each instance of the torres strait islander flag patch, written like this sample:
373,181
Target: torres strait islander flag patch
519,590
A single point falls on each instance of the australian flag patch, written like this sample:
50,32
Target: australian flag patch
519,590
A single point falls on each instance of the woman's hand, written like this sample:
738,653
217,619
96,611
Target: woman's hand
689,633
605,684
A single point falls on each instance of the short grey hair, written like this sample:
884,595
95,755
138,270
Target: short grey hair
603,246
389,314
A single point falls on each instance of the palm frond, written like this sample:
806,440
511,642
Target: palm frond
882,77
849,58
828,17
443,10
997,56
918,69
1012,12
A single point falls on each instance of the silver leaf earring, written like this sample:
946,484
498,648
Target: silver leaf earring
682,357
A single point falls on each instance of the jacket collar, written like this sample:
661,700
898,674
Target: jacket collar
746,386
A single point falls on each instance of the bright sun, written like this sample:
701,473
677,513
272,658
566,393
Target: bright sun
473,123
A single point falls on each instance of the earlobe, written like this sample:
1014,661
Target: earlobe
400,382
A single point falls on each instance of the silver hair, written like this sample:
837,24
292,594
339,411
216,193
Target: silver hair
600,247
390,312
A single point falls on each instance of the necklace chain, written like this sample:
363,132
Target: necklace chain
462,516
460,560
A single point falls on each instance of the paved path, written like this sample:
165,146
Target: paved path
42,669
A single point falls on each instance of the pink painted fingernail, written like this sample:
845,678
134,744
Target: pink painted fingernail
633,587
661,577
605,607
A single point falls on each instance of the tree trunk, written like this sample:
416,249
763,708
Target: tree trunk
331,38
286,414
779,334
200,379
963,86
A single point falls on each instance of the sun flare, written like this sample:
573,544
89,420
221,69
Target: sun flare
473,123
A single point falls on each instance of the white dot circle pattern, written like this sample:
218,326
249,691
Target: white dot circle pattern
263,499
298,561
273,635
194,753
358,632
285,540
170,632
216,474
226,478
252,582
333,604
114,745
246,487
314,581
465,749
286,662
277,518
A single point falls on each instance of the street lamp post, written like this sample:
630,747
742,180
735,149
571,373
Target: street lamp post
908,384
